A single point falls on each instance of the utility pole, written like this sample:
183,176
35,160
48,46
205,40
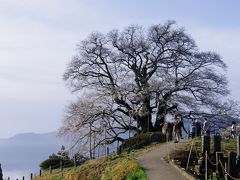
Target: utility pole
105,137
148,122
105,133
129,134
90,140
94,143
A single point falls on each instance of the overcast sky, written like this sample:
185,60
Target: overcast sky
39,37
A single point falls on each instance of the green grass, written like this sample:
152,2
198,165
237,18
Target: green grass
138,174
227,145
117,167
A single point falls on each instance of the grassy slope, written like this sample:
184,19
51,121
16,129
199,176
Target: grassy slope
124,166
114,167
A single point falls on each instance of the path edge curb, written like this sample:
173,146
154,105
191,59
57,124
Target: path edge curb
181,171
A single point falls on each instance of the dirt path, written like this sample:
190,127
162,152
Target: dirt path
154,165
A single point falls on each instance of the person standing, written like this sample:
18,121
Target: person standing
206,127
181,124
193,129
176,127
233,130
198,128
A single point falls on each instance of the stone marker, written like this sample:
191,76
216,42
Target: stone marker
205,144
232,166
217,143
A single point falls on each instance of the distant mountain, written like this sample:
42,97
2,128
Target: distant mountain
24,152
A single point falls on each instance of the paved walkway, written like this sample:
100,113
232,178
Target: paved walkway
155,167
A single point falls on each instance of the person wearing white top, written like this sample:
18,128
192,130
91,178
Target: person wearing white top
233,130
206,127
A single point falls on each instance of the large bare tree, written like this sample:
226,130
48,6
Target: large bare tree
139,75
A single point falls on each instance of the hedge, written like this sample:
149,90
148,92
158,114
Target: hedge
141,140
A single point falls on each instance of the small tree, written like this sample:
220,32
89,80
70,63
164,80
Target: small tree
63,153
79,158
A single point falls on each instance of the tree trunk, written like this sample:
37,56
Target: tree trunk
146,123
162,108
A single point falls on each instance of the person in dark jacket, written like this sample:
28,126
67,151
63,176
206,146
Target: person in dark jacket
181,124
176,128
198,128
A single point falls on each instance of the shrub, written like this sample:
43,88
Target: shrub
141,140
54,162
80,159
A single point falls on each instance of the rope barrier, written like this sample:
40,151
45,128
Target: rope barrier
215,164
224,170
196,151
190,152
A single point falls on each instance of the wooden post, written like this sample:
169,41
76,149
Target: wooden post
105,137
61,166
238,146
226,176
129,134
129,150
205,144
50,169
117,144
75,161
217,143
119,150
206,160
94,144
90,140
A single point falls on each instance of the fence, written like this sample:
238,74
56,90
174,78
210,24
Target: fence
215,163
59,168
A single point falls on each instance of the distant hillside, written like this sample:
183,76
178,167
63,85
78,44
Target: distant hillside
24,152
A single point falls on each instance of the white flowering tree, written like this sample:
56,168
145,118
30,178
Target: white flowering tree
134,77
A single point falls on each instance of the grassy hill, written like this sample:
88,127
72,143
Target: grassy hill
115,167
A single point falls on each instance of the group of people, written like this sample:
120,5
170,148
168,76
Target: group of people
173,129
198,129
207,125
